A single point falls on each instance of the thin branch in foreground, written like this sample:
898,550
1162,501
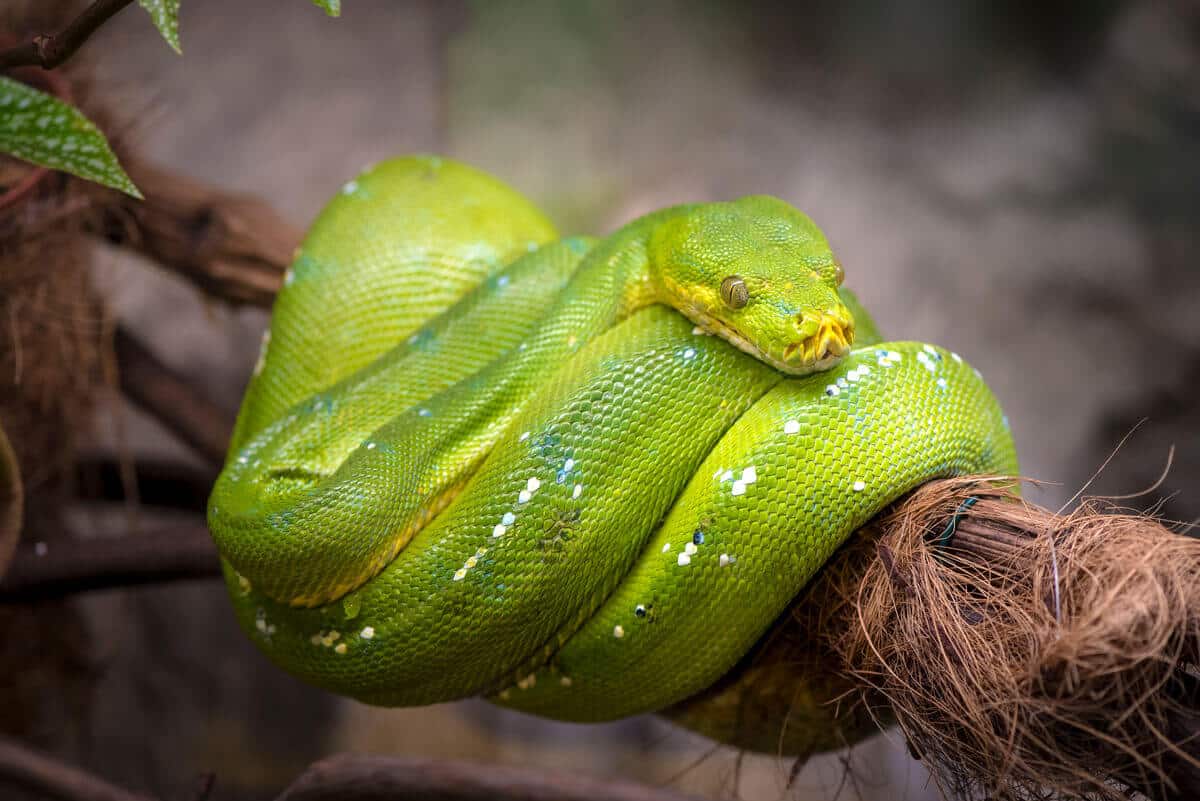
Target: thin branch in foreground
41,570
49,50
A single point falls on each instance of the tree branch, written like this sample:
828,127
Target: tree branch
233,247
43,774
171,399
41,570
49,50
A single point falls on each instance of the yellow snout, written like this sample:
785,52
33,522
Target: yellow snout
828,337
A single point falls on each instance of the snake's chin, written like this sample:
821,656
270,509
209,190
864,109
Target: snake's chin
817,353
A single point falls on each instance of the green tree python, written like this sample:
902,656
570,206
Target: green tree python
580,477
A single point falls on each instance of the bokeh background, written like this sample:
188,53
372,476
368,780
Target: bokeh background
1019,181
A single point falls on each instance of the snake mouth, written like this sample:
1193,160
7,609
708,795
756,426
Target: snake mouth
822,350
812,354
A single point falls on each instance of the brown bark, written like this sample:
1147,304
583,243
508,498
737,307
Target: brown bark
234,247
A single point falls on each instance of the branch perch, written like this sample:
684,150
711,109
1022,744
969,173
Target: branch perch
49,50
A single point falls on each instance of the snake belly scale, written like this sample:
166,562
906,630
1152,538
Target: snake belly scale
578,476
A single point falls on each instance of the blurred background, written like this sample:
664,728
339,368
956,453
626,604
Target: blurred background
1018,181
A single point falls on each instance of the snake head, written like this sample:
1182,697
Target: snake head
759,274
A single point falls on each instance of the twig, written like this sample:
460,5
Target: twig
233,247
48,50
171,398
43,570
353,777
43,774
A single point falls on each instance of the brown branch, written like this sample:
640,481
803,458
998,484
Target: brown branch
43,570
350,777
171,398
233,247
49,50
45,775
353,777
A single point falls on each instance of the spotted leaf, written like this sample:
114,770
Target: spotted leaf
165,14
42,129
332,7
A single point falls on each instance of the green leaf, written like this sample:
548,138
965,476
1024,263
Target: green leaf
332,7
44,130
165,14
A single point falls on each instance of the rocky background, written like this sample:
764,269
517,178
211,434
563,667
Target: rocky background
1019,181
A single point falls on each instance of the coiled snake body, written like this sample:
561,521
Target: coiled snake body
578,476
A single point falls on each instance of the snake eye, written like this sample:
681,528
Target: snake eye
734,292
839,275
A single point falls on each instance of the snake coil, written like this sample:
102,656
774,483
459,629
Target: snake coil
578,476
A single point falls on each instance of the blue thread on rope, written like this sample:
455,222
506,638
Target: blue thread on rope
952,526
